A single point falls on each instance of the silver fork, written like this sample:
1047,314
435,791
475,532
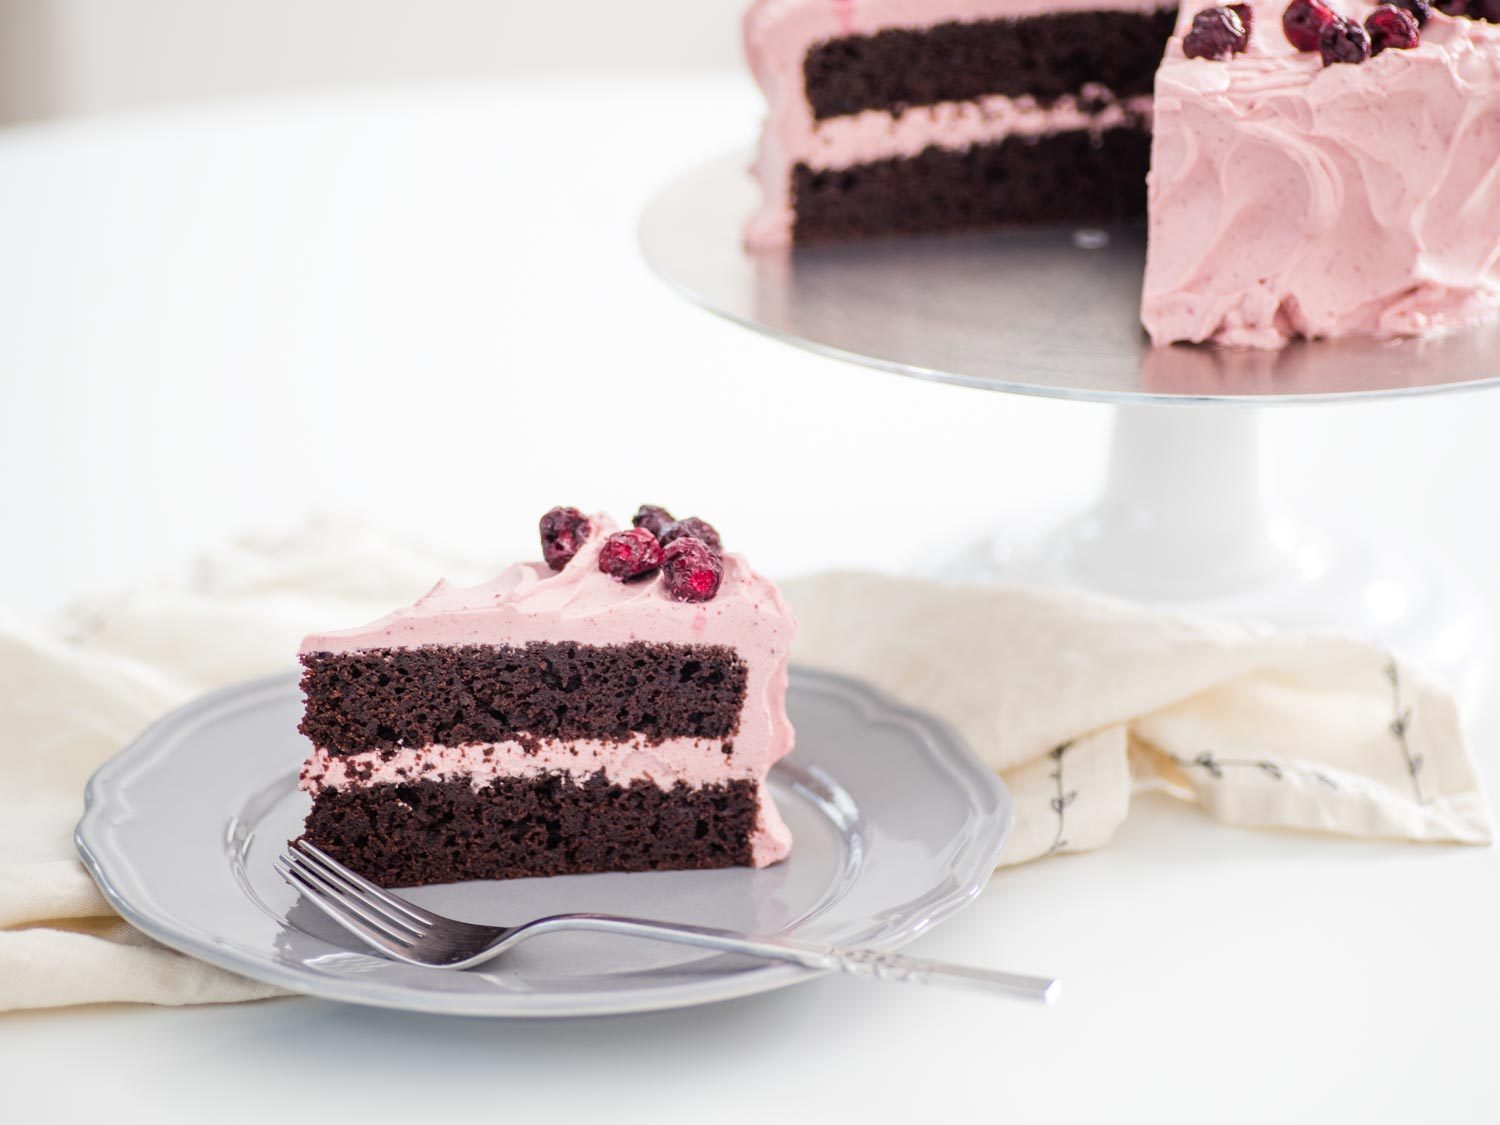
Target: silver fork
405,931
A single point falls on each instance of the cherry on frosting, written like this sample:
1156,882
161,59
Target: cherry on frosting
1452,7
630,554
1486,10
692,571
1303,23
1344,41
698,529
1216,33
564,530
1389,26
1419,10
652,518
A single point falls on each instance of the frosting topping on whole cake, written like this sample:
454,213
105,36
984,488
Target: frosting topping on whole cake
1292,198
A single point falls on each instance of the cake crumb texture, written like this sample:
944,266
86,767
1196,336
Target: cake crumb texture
1075,176
447,831
381,699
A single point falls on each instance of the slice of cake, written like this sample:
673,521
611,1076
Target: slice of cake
904,117
1336,172
616,707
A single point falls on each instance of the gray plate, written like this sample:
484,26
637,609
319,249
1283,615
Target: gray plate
897,826
1045,311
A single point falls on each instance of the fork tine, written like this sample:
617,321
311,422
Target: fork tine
398,928
334,867
332,875
336,910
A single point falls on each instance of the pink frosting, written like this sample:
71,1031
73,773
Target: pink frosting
778,34
692,761
1292,199
530,602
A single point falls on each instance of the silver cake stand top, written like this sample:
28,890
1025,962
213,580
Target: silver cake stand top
1048,311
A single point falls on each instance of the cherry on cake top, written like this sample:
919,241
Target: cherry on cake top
1219,32
688,552
693,570
1343,41
652,518
1216,33
1390,26
1419,10
630,554
563,532
1303,22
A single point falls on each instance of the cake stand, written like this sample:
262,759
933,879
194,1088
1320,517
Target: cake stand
1186,519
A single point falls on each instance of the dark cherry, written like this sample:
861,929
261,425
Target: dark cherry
1391,27
630,554
652,518
1303,23
693,572
1452,7
563,532
1486,10
1419,10
1344,41
1247,17
693,526
1216,33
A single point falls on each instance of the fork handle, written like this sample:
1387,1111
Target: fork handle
858,962
917,970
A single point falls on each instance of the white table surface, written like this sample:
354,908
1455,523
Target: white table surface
423,308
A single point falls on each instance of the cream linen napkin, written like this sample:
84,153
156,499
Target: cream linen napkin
1068,697
1075,699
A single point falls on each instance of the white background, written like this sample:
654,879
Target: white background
423,308
70,57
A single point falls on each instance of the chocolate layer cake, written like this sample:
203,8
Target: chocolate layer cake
614,708
915,116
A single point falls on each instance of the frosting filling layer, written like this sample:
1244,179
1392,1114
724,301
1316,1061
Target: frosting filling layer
879,135
691,761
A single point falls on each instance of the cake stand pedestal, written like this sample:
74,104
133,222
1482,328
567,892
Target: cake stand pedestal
1187,518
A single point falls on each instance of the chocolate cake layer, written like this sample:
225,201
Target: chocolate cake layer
1043,56
446,831
1058,177
379,699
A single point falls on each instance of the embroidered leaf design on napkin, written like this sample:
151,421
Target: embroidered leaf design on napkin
1208,762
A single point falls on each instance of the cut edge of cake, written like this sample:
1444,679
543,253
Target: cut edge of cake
894,117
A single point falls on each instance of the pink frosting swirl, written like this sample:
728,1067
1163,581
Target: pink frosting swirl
1292,199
